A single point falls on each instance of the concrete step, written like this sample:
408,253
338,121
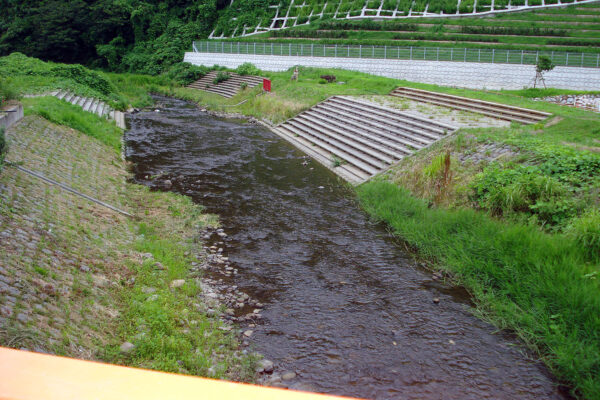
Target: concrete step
495,110
81,101
355,141
300,130
392,149
94,106
100,108
61,94
88,103
519,111
68,97
398,116
405,121
397,136
346,171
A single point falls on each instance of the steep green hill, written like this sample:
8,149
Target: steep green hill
575,28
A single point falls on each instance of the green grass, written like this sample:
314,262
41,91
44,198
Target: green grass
535,284
169,327
63,113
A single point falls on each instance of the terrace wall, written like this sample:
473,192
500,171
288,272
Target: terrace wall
446,73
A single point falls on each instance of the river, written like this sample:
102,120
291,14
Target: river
345,306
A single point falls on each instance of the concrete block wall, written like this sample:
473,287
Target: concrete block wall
444,73
14,115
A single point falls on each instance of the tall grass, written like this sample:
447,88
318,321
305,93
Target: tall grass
63,113
536,284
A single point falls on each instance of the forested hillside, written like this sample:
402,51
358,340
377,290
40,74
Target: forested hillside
121,35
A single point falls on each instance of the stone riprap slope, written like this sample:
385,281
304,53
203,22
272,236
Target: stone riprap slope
227,88
490,109
59,255
81,280
280,14
358,139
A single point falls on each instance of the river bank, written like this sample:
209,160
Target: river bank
80,280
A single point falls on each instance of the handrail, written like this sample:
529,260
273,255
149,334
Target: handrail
32,376
476,55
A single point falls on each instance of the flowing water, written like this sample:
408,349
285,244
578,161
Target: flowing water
345,306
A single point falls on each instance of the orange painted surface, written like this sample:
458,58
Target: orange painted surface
33,376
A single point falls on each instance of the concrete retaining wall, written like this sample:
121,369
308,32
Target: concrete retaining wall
9,118
444,73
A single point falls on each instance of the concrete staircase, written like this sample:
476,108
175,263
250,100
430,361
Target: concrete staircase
494,110
228,88
92,105
358,139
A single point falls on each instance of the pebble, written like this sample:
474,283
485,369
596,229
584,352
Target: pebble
265,366
288,376
148,290
152,298
127,347
159,266
177,283
248,333
168,184
436,300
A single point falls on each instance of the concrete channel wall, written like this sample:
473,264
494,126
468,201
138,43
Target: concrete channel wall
445,73
14,114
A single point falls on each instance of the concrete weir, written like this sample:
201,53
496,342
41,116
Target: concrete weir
228,88
358,139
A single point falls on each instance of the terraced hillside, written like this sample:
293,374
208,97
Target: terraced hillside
575,28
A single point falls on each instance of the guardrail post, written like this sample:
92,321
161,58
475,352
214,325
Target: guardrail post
493,54
479,56
271,48
222,47
437,54
537,56
385,52
522,54
597,60
451,53
410,53
335,50
360,51
254,48
424,52
290,49
465,58
552,56
373,51
567,62
348,51
582,59
312,45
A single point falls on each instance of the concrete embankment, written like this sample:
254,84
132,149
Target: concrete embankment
471,75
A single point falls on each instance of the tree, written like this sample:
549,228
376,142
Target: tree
544,64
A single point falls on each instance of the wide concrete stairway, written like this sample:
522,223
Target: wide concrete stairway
228,88
92,105
358,139
495,110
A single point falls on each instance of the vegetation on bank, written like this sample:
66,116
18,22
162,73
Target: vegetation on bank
539,285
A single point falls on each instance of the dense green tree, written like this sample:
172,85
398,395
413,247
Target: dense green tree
122,35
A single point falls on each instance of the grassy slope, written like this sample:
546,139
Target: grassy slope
580,24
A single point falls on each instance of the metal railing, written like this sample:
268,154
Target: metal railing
496,56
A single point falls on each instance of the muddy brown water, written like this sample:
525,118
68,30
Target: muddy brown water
346,307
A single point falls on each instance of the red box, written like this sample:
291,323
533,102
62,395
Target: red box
267,85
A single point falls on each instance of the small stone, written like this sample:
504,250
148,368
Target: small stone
84,268
159,266
152,298
147,255
248,333
177,283
436,300
288,376
266,365
127,347
168,184
148,290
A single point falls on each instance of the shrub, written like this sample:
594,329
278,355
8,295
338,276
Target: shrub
586,231
328,78
84,76
185,73
221,77
243,85
247,69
